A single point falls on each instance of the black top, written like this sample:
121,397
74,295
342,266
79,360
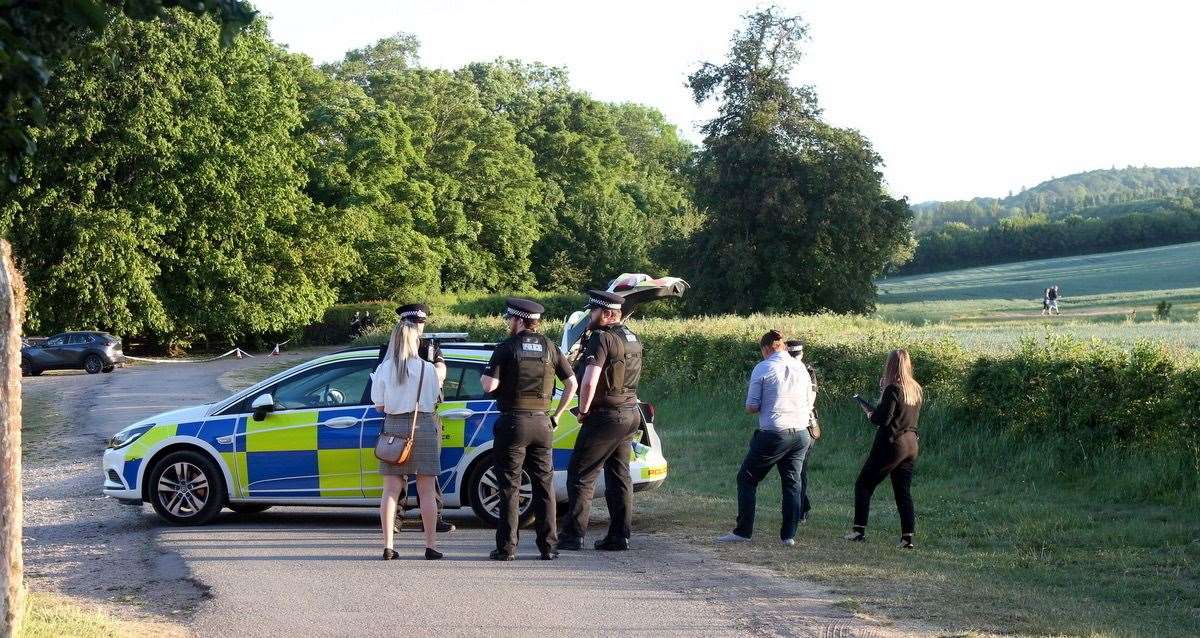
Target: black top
1052,293
504,354
893,415
595,353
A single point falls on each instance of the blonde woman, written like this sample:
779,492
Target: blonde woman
894,451
394,390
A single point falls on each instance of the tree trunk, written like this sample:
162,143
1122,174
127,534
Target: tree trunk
12,587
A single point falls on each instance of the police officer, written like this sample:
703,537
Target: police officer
795,348
418,314
520,375
609,417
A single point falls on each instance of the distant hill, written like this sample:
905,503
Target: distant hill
1130,189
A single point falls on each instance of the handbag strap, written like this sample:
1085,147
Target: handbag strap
417,403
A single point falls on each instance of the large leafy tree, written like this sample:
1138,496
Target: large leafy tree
167,195
34,34
477,181
798,219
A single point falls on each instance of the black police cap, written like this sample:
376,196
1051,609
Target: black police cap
523,308
795,346
605,299
413,312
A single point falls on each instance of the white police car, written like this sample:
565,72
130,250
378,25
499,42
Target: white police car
306,436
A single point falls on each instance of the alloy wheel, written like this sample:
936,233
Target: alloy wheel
488,493
183,489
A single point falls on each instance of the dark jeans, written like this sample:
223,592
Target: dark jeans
524,440
888,459
784,451
805,503
603,444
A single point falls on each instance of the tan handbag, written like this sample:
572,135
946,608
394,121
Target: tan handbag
395,448
814,429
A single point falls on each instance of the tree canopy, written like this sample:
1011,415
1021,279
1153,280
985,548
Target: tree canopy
797,216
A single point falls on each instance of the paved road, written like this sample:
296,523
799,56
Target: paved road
315,571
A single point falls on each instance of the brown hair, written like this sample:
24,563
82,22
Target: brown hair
531,324
773,339
899,371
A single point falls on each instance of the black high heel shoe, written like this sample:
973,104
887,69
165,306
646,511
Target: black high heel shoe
390,554
856,535
432,554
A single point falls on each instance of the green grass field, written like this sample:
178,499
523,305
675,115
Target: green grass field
1006,543
1111,297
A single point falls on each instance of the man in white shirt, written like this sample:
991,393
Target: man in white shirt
780,393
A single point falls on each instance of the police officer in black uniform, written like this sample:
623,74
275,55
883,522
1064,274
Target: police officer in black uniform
520,375
609,417
418,313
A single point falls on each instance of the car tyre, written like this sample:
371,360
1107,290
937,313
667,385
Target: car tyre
186,488
481,488
25,371
93,364
249,508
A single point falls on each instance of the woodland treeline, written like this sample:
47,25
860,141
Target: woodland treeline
183,189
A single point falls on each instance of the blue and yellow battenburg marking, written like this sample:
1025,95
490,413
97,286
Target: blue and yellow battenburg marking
290,455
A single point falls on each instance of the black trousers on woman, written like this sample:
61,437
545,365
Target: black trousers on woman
894,459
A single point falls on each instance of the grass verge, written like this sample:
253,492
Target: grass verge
1008,542
54,616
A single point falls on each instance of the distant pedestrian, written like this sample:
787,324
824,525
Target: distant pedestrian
1046,302
405,386
894,451
1052,296
780,393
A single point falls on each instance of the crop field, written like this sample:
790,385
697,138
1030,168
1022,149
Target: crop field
1112,297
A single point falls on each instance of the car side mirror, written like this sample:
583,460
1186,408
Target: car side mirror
261,405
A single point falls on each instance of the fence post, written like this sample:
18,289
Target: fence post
12,587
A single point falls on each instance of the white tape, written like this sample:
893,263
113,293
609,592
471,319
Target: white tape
234,351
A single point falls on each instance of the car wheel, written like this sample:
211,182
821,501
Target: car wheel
34,372
25,371
485,497
186,488
249,508
93,363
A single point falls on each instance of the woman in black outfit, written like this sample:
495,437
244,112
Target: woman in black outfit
895,448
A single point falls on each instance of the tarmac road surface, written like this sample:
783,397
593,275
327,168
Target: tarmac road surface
316,571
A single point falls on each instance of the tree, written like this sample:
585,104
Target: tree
12,589
33,34
167,197
797,217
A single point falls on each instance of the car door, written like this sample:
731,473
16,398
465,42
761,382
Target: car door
72,352
49,354
467,415
308,446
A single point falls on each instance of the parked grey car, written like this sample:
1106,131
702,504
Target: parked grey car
91,351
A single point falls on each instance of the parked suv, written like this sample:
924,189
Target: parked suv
90,351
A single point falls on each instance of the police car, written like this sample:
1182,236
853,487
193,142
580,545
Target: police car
306,436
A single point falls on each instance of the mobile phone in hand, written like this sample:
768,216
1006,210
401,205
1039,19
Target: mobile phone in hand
574,411
863,402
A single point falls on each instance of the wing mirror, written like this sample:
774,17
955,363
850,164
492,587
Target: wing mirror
263,404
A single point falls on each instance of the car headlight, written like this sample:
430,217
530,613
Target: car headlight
128,435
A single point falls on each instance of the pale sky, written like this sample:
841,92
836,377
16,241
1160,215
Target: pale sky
961,98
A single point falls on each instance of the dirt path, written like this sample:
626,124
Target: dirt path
315,572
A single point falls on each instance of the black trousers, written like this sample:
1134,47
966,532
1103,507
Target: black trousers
603,444
894,459
524,440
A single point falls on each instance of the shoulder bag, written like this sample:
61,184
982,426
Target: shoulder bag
394,448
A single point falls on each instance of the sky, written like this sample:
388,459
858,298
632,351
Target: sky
960,98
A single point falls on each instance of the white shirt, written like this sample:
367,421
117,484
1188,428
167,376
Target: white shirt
782,391
400,399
